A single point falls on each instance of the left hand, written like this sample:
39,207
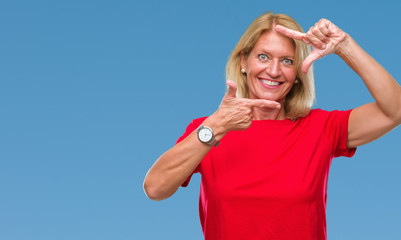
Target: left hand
325,38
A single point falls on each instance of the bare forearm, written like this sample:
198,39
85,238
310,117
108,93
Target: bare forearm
177,164
174,167
384,89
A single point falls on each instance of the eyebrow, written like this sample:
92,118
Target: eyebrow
269,52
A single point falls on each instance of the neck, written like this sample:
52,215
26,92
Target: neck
268,113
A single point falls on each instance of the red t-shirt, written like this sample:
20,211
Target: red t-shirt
270,181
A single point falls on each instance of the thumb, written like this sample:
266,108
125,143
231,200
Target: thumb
309,60
232,88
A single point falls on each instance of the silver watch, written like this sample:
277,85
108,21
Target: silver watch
205,135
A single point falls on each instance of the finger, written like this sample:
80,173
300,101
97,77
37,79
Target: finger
262,103
309,60
314,40
324,26
318,32
248,118
290,33
232,88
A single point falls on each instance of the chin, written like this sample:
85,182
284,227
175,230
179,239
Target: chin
271,98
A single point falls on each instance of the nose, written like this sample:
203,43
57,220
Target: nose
274,68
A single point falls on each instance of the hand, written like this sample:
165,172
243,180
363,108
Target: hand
325,38
236,113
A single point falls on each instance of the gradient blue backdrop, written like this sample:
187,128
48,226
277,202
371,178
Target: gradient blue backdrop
93,92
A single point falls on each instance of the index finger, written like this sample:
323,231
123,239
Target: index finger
290,33
261,103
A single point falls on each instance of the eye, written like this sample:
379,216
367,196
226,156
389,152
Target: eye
288,61
263,57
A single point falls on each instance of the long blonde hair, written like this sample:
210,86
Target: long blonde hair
299,100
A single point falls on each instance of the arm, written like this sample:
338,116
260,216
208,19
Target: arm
370,121
177,164
373,120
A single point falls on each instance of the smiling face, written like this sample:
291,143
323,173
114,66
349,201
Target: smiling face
270,67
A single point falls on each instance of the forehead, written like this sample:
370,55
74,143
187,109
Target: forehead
275,43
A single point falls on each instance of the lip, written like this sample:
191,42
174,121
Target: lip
268,86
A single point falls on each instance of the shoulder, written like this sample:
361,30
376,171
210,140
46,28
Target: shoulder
191,127
324,114
198,121
325,120
194,124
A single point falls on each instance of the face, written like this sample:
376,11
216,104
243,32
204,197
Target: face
270,67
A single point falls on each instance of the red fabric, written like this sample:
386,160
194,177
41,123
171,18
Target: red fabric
270,181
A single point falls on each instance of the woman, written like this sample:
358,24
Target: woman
264,155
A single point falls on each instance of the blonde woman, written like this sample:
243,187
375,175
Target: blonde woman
264,155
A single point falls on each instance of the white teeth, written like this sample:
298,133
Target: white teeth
270,83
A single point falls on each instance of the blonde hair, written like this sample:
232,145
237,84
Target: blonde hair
299,100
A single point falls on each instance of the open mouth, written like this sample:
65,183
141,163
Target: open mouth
270,83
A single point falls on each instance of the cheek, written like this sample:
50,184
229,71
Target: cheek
290,74
254,66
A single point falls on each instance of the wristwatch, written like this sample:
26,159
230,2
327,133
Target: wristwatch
205,135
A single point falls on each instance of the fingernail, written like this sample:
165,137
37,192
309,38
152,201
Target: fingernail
278,106
323,46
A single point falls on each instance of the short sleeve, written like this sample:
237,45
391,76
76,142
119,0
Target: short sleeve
337,128
191,127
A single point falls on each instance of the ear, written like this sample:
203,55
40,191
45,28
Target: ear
243,61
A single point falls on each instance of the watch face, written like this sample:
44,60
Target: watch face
205,135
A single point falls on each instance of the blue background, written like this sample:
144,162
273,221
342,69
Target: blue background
93,92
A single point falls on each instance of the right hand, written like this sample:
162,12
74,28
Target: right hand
237,113
325,38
